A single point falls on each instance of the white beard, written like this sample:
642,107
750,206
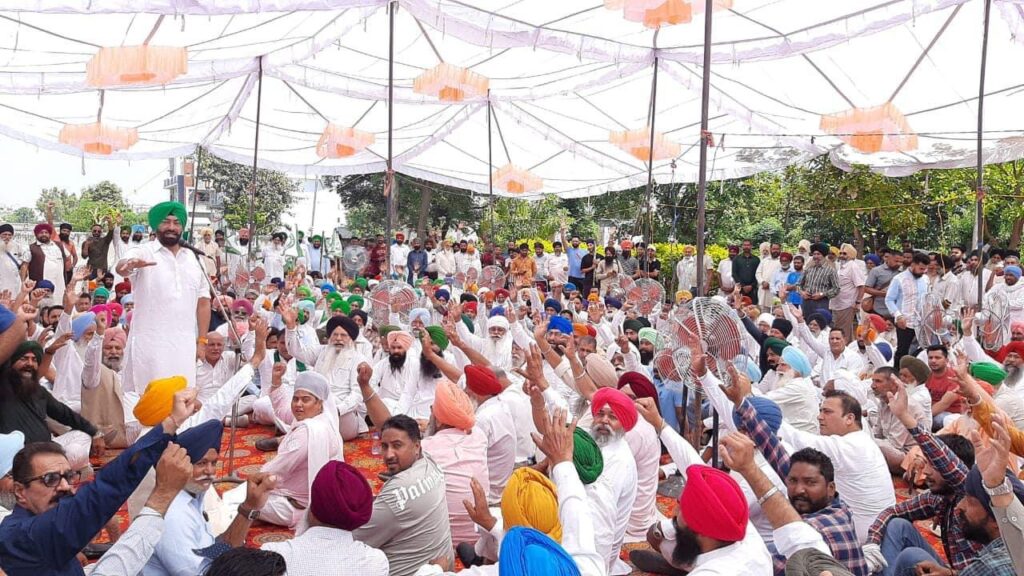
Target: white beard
332,356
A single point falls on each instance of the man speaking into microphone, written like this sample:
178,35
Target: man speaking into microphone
172,306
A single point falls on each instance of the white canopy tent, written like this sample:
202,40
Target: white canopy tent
562,76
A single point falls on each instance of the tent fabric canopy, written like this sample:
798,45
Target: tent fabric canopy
562,77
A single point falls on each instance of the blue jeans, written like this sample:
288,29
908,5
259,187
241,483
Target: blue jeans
904,548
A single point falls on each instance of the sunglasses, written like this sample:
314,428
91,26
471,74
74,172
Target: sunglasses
52,479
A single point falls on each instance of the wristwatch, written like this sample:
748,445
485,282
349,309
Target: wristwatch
248,514
1004,488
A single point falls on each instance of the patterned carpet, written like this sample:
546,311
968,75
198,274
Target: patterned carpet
359,454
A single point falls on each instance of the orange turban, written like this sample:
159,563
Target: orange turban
452,406
580,329
157,401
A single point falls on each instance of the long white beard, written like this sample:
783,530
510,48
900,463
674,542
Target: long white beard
784,378
331,357
1013,375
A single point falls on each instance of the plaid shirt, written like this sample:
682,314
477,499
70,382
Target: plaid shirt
993,560
834,522
822,279
958,548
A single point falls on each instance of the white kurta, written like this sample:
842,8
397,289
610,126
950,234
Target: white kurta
765,270
10,263
273,262
611,502
162,341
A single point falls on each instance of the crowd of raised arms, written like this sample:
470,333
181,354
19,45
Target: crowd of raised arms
532,413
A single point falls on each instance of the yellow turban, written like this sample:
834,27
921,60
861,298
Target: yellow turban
158,400
452,406
683,296
530,500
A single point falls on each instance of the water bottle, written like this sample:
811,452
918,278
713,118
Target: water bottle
375,446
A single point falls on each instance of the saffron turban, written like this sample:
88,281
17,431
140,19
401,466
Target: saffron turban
481,380
401,337
586,456
987,371
797,360
453,407
527,551
767,411
530,499
115,334
593,298
776,345
622,406
313,382
560,324
199,440
649,335
421,314
713,505
163,210
683,296
42,226
157,401
580,329
641,386
28,347
1015,347
438,336
499,322
345,323
340,496
554,304
81,323
601,371
916,367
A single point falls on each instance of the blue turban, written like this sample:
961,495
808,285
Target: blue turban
527,551
552,303
797,360
497,311
561,324
46,285
569,287
80,324
874,259
7,318
767,411
1012,271
443,294
422,313
612,302
138,228
198,440
744,363
127,299
327,288
885,349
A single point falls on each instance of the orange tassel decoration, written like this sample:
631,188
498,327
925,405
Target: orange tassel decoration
638,144
133,65
342,141
879,129
516,180
451,83
98,138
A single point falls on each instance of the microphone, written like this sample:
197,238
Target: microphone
183,244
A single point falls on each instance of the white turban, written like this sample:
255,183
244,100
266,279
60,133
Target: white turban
497,322
314,383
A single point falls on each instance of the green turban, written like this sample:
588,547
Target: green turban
337,304
163,210
650,335
775,344
26,347
357,298
362,283
438,336
304,291
438,282
632,324
469,323
101,291
988,372
586,456
316,237
385,330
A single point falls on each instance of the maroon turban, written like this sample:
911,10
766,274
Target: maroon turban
341,496
621,405
641,386
42,226
124,286
786,256
242,304
481,380
713,505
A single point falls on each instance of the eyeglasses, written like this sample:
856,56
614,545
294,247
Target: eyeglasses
52,479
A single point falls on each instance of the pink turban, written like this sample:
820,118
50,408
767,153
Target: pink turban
101,309
453,407
114,335
403,338
115,309
341,496
242,304
713,505
622,406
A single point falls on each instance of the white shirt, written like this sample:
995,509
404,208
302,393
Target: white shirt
273,262
748,556
798,399
764,273
329,551
611,501
210,377
494,419
557,267
162,341
518,404
849,359
446,263
10,267
968,284
725,275
862,476
399,258
343,375
686,271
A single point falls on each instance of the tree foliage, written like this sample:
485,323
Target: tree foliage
92,205
275,192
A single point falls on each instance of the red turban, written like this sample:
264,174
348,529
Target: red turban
399,236
501,293
641,386
482,380
713,505
877,322
42,226
124,286
115,309
1015,346
341,496
786,256
470,306
620,404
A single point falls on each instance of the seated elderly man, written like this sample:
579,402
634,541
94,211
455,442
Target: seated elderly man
794,392
25,406
102,397
340,501
311,442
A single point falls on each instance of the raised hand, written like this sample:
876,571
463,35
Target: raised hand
648,409
738,452
478,510
557,442
740,388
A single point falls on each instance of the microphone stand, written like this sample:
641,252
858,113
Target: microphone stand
231,477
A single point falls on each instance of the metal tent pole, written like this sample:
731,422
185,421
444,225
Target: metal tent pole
389,179
490,169
979,202
650,158
195,195
255,155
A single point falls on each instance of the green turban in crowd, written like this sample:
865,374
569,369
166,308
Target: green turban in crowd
586,456
385,330
339,305
27,347
357,298
303,291
988,371
362,283
632,324
469,323
438,336
776,344
163,210
649,335
101,291
438,282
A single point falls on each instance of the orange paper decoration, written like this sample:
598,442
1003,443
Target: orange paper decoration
342,141
638,144
870,130
653,13
123,65
516,180
98,138
451,83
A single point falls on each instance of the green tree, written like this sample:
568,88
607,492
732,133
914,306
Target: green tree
275,192
22,215
63,201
